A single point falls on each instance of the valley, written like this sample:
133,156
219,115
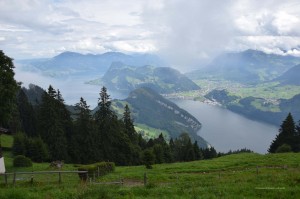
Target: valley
262,99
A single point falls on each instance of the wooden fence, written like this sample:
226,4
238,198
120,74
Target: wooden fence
60,173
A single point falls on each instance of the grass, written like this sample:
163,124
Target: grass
233,176
6,140
149,132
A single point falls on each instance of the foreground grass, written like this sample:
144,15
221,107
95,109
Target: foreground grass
234,176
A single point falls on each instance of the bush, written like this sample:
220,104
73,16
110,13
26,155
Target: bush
284,149
92,169
22,161
148,158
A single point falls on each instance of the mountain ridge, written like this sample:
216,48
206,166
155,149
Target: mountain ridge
250,67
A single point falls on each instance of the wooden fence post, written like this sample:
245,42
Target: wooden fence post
5,179
145,179
14,179
59,177
31,180
98,172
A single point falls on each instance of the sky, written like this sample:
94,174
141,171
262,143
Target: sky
183,31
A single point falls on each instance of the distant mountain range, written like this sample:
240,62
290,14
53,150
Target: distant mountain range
125,78
290,77
71,63
248,67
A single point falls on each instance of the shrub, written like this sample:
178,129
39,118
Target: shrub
22,161
148,158
97,169
284,149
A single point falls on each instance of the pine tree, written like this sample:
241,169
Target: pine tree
27,115
83,147
51,125
113,143
287,135
197,151
129,127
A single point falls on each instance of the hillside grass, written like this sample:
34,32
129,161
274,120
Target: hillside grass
247,175
148,132
6,140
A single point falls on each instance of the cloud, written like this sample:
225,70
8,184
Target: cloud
185,32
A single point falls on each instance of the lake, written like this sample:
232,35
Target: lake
222,128
226,130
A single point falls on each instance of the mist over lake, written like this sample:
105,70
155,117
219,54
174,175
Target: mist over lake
71,88
226,130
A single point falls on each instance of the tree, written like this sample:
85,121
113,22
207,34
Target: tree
83,146
129,127
27,115
8,89
197,151
113,143
287,135
37,150
148,158
19,144
51,125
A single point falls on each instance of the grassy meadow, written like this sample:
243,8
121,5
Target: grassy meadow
246,175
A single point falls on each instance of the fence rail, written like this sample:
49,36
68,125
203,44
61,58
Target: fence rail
32,173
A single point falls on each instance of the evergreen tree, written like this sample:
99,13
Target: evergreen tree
27,115
36,150
19,144
51,125
113,143
8,89
197,151
287,135
83,147
209,153
129,127
148,158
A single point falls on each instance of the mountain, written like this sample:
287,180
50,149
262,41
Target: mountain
290,77
250,66
71,63
151,109
259,109
125,78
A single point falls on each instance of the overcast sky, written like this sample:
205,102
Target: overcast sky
181,30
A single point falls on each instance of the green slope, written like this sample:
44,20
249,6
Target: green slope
235,176
151,109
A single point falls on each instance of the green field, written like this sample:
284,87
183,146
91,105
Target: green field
245,175
270,90
6,140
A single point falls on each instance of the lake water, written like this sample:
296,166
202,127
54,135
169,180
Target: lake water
226,130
